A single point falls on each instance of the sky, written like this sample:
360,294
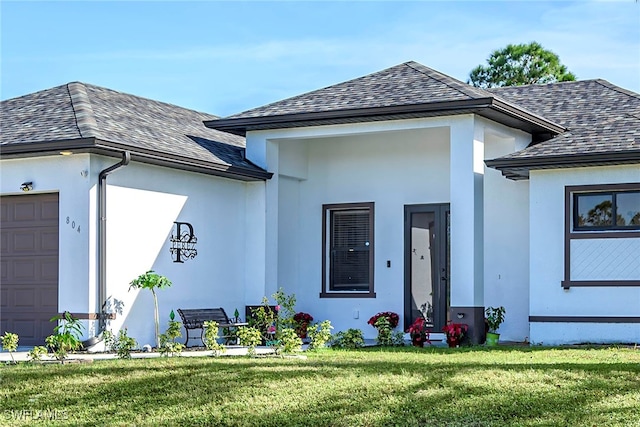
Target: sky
225,57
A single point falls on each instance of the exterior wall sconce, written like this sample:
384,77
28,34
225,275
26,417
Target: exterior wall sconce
26,186
460,315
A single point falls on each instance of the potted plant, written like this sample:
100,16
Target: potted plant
301,322
392,317
419,332
455,333
385,322
495,317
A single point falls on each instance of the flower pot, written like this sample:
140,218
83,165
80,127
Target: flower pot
301,330
492,339
453,342
418,341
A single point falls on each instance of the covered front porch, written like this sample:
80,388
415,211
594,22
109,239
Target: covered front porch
426,205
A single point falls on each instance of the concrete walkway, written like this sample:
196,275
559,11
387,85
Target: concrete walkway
22,354
231,350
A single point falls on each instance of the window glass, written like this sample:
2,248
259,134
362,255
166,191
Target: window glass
348,258
594,210
628,209
350,250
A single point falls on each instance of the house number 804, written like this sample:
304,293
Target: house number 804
73,224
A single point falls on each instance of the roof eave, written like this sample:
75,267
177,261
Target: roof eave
518,168
526,121
534,119
111,149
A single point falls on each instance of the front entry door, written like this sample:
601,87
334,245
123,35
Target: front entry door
426,265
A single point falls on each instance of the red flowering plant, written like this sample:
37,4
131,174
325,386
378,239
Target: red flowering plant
392,317
419,332
455,333
301,321
302,317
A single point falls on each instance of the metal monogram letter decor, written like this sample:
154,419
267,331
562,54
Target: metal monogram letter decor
183,243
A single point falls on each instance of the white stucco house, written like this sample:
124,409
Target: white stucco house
404,190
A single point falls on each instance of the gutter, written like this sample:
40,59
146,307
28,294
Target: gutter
520,167
240,125
107,148
102,238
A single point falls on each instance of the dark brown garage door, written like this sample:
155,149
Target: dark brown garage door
29,266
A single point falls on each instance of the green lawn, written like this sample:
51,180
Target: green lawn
369,387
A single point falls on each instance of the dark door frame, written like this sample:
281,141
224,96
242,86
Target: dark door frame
439,271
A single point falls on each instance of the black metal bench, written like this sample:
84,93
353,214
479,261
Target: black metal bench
195,318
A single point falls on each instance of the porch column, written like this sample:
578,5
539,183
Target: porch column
467,258
261,232
272,203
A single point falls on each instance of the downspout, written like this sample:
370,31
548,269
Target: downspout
102,239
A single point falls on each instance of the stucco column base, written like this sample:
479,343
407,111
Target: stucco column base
472,316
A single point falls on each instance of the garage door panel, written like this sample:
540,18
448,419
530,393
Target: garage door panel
25,328
29,266
4,240
24,270
49,241
49,269
49,210
25,298
30,297
46,327
4,212
34,210
49,299
35,241
25,211
25,241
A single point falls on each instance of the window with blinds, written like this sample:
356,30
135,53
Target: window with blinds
348,265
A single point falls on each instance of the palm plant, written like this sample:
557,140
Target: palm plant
152,281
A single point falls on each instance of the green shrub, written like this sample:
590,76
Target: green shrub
249,337
319,334
211,338
384,331
230,334
263,319
66,335
397,338
351,338
289,341
10,343
36,353
286,310
270,322
122,344
386,335
168,344
109,340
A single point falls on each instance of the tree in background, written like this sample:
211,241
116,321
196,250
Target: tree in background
520,64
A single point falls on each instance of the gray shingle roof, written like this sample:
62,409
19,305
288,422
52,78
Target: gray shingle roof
405,84
404,91
600,117
81,111
588,118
